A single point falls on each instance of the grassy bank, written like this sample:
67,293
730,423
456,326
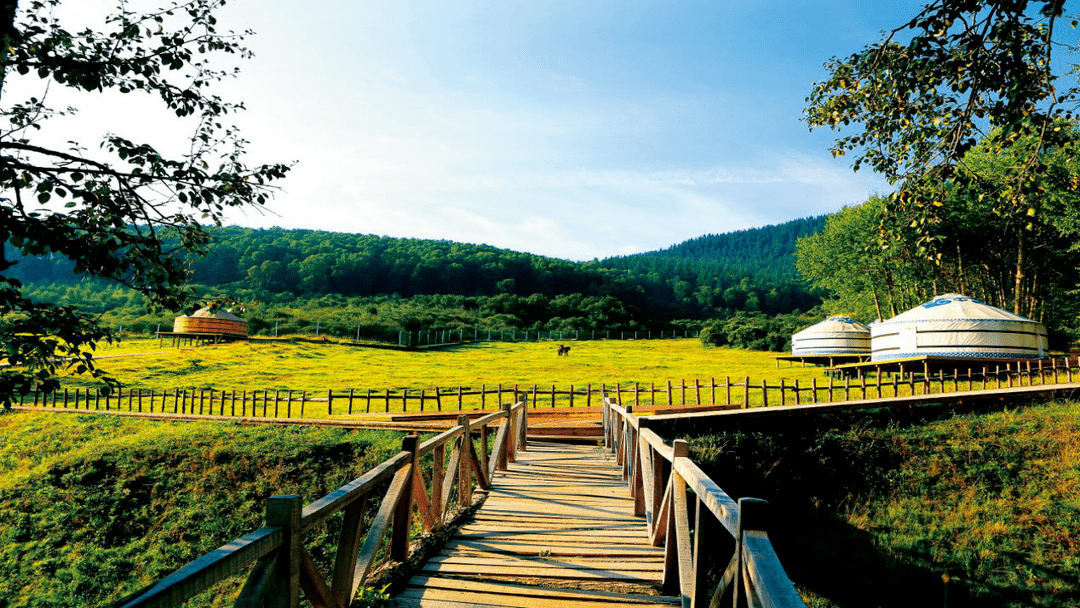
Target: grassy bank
95,507
973,510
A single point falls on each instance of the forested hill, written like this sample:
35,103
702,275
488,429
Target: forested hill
750,269
767,252
703,278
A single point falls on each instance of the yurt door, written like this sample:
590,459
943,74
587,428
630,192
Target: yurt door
909,339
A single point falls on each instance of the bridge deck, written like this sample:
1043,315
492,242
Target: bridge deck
557,530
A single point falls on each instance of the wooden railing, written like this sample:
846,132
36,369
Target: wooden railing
283,568
659,477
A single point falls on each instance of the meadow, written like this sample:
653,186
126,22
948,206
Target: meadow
318,366
95,507
946,507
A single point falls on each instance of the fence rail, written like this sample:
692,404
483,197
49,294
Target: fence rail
659,477
727,391
283,568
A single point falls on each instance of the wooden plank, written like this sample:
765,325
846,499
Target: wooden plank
520,548
579,572
347,551
722,506
512,589
477,559
312,583
258,583
209,569
377,531
510,601
767,576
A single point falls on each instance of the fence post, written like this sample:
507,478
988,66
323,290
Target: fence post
329,402
284,512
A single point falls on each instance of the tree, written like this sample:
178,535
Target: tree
125,211
1023,258
937,85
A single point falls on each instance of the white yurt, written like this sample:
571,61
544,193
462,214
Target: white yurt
837,335
953,325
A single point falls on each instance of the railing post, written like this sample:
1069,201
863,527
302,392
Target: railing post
523,431
284,512
399,536
465,463
507,438
753,515
484,451
626,440
671,578
705,544
438,459
604,420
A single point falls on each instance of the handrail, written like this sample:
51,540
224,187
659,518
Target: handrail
659,477
283,567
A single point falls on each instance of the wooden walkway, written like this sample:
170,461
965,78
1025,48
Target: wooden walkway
556,531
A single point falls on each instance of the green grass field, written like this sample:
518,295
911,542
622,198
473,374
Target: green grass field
972,509
317,366
95,507
262,370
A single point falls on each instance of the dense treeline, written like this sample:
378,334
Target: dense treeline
376,317
300,279
750,270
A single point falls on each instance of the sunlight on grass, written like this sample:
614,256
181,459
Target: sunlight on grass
315,367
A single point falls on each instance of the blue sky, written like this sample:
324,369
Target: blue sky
573,129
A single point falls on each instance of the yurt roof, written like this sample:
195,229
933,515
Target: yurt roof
834,324
955,307
218,314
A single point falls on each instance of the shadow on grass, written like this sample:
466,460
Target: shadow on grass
810,470
841,565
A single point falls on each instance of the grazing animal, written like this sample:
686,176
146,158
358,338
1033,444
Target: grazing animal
564,350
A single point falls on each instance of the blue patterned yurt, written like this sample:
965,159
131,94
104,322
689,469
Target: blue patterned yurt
953,325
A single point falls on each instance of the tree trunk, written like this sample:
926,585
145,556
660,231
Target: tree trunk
960,270
877,303
1019,274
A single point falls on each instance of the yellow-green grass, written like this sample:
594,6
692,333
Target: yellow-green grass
317,367
94,507
310,368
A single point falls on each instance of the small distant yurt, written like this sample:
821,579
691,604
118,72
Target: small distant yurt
956,326
837,335
212,322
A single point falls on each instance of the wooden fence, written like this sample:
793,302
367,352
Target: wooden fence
742,392
283,568
659,477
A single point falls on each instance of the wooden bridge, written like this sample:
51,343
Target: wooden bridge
624,520
561,525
